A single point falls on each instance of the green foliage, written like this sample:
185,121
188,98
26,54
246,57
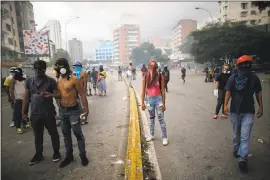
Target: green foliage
227,41
145,52
61,53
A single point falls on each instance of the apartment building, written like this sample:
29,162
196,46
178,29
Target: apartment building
159,42
54,28
25,19
125,39
244,11
10,44
75,50
182,29
105,51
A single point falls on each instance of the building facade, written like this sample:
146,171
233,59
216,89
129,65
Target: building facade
159,42
10,44
244,11
183,28
54,28
125,39
105,51
75,50
25,19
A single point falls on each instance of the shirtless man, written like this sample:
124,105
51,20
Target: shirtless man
70,88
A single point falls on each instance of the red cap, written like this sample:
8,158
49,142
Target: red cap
244,58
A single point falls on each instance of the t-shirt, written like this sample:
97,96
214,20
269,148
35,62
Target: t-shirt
183,70
19,89
166,75
41,105
222,79
8,80
243,101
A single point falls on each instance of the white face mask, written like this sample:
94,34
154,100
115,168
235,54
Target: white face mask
63,71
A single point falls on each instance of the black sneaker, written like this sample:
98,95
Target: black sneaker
66,161
56,157
243,166
36,159
235,154
84,160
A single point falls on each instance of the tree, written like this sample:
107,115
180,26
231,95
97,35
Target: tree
261,5
60,53
228,40
146,51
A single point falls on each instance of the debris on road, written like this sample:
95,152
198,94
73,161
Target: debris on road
260,140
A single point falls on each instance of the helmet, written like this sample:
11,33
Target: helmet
78,63
244,58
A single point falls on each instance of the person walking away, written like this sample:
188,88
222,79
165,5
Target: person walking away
70,112
183,71
94,76
119,74
6,87
221,81
102,81
166,74
144,70
89,81
240,88
42,89
153,86
129,74
16,94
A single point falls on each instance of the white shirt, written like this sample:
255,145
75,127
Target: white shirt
19,89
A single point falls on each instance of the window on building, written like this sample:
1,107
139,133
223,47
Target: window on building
225,8
15,43
268,13
253,12
8,27
253,4
14,32
253,22
244,14
244,5
10,41
259,21
12,20
10,7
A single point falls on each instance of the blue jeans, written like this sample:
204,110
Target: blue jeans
70,119
154,105
242,125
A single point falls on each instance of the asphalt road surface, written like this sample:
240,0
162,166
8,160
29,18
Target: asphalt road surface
200,148
104,142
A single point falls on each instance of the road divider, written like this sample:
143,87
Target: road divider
133,165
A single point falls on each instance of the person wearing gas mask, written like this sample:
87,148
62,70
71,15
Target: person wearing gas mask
70,113
240,88
16,94
7,87
41,89
221,82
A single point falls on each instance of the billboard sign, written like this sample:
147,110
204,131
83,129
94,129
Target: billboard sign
36,43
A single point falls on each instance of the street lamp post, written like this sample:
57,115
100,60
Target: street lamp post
197,8
66,29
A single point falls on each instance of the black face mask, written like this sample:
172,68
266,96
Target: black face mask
40,72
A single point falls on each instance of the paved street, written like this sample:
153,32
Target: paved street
105,142
200,147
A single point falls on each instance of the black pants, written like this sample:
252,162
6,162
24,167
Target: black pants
17,113
166,85
220,101
38,124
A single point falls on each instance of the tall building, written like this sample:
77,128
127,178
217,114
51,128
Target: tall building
159,42
54,28
183,28
105,51
10,45
125,39
243,11
75,50
25,19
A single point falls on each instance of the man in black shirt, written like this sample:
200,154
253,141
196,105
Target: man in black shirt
241,87
166,74
221,81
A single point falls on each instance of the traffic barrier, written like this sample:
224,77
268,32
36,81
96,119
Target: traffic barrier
133,165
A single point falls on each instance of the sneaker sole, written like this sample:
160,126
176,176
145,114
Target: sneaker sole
56,160
32,163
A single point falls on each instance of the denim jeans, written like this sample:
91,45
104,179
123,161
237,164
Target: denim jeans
17,113
242,125
154,105
70,119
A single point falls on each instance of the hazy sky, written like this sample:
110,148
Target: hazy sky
98,19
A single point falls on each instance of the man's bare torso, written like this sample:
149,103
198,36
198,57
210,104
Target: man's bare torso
68,92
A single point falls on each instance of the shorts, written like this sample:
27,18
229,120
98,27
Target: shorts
94,85
88,85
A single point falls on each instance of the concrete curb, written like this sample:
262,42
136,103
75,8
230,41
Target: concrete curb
133,165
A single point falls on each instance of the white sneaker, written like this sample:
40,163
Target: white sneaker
165,142
12,124
150,138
